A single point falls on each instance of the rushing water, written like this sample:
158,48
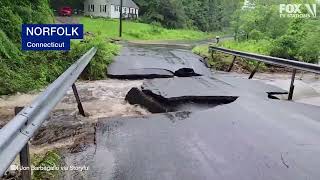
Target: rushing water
105,98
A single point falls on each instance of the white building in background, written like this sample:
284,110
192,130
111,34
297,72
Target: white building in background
110,8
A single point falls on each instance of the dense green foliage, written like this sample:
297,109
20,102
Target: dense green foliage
139,31
97,69
13,14
37,69
25,71
260,29
205,15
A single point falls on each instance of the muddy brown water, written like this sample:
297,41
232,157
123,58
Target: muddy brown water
66,130
103,98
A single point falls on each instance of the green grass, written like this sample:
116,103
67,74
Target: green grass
109,28
220,61
202,50
49,160
254,46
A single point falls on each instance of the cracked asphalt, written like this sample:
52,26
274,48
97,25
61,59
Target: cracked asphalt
250,138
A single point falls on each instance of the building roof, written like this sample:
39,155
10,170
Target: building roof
126,3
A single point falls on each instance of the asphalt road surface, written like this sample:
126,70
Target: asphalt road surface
155,62
251,138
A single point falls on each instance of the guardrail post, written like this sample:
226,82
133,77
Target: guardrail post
290,96
80,107
24,156
231,65
254,70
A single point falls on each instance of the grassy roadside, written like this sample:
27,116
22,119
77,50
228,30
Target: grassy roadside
221,62
254,46
218,61
108,28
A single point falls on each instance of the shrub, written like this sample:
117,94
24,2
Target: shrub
25,13
310,49
156,28
8,50
256,35
97,68
10,23
38,69
285,47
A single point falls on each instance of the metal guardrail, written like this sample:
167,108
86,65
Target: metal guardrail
295,65
270,60
15,135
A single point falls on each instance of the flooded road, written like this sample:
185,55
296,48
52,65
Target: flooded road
104,98
114,142
180,145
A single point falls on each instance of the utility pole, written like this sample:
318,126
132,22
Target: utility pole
120,28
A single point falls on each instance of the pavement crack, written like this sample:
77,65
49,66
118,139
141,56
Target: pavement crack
283,161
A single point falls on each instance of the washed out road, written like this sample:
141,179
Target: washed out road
251,137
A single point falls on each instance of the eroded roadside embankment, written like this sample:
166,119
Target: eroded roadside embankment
66,130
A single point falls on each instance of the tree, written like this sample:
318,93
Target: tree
205,15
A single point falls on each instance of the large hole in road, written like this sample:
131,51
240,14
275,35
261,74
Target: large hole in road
185,72
158,104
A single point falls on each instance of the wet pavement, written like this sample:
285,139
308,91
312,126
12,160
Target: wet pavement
214,86
179,44
307,85
248,137
242,140
140,61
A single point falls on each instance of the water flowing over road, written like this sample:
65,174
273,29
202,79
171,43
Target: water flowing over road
248,137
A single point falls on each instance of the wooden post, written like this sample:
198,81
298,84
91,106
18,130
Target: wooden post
231,65
76,95
254,70
290,96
